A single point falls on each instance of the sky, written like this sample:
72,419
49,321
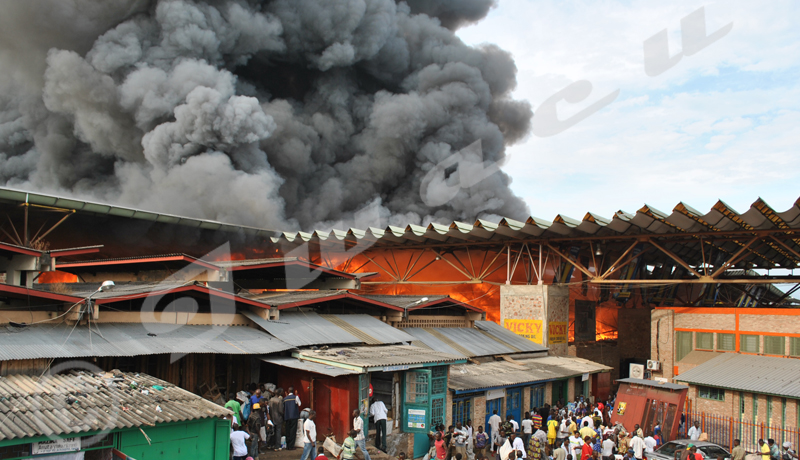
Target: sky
718,120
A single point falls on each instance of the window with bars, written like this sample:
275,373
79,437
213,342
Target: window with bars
437,412
794,346
537,396
461,410
417,388
716,394
705,340
726,342
749,343
683,344
774,345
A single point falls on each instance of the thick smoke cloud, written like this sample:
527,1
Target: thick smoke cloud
284,114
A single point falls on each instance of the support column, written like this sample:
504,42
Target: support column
539,313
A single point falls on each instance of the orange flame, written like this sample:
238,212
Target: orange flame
57,277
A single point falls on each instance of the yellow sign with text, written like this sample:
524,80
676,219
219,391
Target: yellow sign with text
531,329
557,332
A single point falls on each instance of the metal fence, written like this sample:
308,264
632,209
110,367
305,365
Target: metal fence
723,430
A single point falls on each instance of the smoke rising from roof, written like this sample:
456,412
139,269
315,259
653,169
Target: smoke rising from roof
284,114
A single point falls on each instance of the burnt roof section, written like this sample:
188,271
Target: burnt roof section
416,302
81,402
135,264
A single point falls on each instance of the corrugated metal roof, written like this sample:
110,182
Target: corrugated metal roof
433,342
405,301
750,373
309,366
305,329
653,383
379,356
283,298
507,337
529,370
368,327
646,221
80,402
468,342
120,289
21,196
132,339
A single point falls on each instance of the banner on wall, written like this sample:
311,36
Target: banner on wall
531,329
557,332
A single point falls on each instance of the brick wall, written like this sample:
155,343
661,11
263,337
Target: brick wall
478,411
526,400
719,322
448,409
544,303
548,392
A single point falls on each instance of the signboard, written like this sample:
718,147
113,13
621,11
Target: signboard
585,377
495,394
557,332
621,409
531,329
54,446
395,368
416,418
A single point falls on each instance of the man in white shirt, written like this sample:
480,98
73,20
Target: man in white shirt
309,436
638,446
239,442
695,431
461,436
650,443
379,412
575,444
518,445
360,439
527,428
608,448
494,423
513,423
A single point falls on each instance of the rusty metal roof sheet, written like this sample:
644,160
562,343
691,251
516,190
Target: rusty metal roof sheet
80,402
304,329
294,363
751,373
464,341
654,383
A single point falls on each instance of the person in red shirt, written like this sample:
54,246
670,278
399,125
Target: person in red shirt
586,450
321,454
441,447
537,419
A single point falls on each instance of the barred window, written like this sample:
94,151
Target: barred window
726,342
705,341
774,345
749,343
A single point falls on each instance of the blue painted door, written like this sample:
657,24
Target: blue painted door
492,405
514,403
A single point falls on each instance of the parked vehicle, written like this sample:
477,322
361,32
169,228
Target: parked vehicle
708,450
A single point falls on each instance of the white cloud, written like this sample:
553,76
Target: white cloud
723,123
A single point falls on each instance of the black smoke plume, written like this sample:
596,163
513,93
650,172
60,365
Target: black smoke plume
283,114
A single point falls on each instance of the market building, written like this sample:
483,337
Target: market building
83,414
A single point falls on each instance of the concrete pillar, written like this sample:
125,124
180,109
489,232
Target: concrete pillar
448,409
539,313
571,389
479,412
662,342
526,400
548,392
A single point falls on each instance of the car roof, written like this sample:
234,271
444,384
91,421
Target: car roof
696,443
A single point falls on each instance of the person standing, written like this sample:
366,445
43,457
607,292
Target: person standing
239,443
552,432
763,448
291,412
276,412
494,424
234,406
517,444
348,451
514,424
481,441
638,446
575,444
461,436
361,439
309,436
536,419
560,453
695,431
586,448
650,443
608,448
254,424
527,428
440,445
738,452
379,412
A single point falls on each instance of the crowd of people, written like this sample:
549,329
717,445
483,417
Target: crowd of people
266,418
576,431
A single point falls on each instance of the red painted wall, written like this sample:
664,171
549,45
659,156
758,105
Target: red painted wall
334,399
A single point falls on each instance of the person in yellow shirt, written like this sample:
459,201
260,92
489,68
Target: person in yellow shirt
763,447
573,427
552,430
586,430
